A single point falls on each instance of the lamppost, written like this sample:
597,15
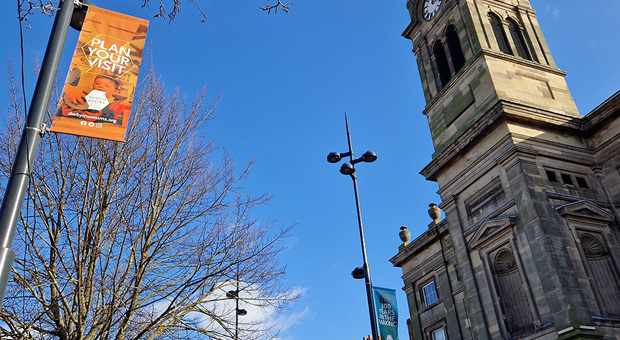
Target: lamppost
234,294
349,169
29,142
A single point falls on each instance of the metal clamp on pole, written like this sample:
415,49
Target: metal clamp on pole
44,129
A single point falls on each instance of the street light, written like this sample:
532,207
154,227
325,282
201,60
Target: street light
234,294
358,273
15,189
348,168
33,131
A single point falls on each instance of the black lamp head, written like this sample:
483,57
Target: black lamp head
358,273
334,157
347,169
241,312
369,156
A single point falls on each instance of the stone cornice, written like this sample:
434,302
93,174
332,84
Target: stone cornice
606,111
585,209
408,32
489,228
462,143
508,111
475,169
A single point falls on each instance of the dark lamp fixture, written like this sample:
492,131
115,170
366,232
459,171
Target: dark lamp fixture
232,294
241,312
335,157
369,156
358,273
347,169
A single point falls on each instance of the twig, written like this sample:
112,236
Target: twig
279,5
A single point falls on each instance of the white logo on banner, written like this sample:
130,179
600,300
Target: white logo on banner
96,100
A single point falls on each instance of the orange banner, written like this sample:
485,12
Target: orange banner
97,95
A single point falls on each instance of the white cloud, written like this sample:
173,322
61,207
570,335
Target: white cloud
554,11
285,338
284,322
259,317
278,321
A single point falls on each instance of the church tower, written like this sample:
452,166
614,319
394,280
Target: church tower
530,188
473,55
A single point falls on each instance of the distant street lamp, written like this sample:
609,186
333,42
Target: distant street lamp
234,294
348,168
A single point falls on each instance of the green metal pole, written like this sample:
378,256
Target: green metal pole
29,143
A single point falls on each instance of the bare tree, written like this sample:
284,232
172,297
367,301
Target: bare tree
138,240
165,8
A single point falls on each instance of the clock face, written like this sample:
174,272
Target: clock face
431,7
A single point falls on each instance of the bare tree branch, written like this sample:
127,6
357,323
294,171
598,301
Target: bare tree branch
278,5
165,8
139,240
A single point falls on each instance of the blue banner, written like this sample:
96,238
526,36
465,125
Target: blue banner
387,312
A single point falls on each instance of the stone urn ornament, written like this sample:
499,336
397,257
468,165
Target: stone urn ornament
405,235
434,213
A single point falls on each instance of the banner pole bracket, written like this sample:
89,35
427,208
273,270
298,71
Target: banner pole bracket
43,130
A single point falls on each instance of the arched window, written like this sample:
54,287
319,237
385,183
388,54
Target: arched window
517,38
603,275
454,46
442,63
500,36
512,293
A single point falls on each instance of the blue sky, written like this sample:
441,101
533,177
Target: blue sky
287,80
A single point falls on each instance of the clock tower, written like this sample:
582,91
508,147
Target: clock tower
530,188
474,54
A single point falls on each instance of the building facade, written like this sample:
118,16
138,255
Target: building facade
530,189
